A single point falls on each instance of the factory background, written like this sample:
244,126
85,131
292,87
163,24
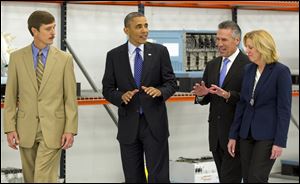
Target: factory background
91,30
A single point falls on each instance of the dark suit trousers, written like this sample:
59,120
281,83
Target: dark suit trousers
156,155
256,162
229,168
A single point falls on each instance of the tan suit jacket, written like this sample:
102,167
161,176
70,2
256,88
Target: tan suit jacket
54,105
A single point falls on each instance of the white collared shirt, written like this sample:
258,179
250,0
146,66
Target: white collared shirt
231,58
257,76
131,54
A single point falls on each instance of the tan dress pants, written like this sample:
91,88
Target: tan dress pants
40,163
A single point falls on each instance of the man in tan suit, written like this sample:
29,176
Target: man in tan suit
40,110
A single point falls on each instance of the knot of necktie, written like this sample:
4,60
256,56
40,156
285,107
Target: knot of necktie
226,61
137,50
40,53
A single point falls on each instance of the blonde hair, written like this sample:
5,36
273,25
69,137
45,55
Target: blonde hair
264,44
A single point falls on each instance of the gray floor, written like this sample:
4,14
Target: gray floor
95,156
278,178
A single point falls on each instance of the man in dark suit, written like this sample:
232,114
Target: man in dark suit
138,79
220,87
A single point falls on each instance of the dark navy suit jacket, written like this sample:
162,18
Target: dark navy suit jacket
118,79
269,117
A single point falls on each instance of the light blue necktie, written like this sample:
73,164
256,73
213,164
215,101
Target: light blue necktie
138,67
223,71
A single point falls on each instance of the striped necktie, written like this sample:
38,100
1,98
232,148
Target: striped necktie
39,69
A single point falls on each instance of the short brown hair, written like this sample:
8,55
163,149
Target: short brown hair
37,18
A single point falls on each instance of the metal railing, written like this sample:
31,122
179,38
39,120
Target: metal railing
91,82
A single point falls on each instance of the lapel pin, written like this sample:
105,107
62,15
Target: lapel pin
149,54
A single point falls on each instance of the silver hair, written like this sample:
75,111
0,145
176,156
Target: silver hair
228,24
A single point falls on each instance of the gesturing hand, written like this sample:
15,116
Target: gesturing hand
154,92
200,89
126,97
214,89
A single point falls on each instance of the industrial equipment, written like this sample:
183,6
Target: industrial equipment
190,51
189,170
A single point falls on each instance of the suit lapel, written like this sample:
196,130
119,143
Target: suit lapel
147,60
234,68
50,63
28,60
263,78
124,58
251,78
216,70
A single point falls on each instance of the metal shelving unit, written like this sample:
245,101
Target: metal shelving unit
250,5
178,97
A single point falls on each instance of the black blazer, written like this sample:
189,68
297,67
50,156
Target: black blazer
118,79
221,113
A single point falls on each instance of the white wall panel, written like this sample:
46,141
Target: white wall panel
163,18
14,16
93,30
284,27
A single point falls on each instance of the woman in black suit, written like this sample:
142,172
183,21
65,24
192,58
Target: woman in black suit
262,116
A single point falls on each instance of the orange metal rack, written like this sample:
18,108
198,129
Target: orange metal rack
249,5
178,97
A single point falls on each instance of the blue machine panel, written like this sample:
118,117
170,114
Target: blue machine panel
173,40
189,50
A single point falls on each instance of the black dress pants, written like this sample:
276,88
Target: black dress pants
156,156
229,168
255,159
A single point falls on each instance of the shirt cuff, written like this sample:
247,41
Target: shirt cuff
199,98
